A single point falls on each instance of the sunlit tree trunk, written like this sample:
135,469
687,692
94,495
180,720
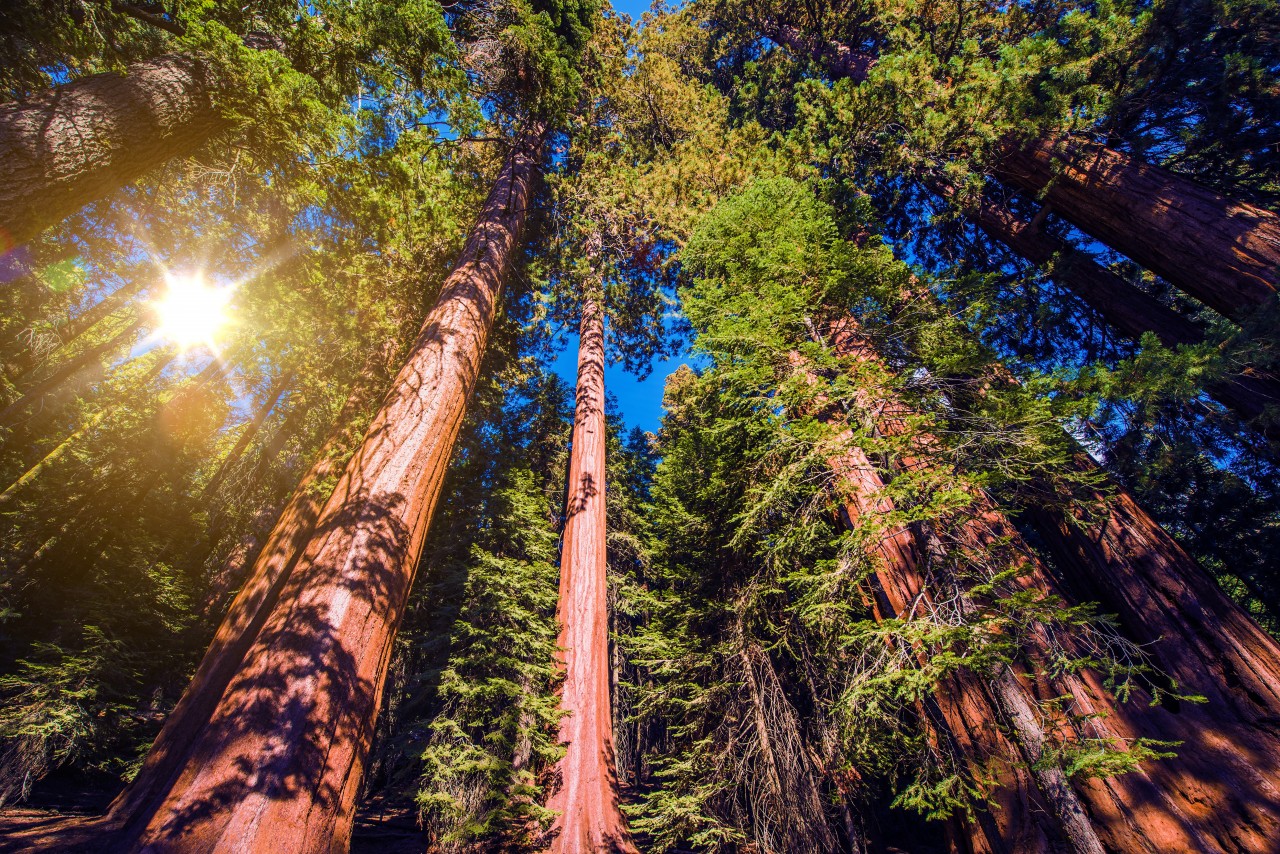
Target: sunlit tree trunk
87,319
278,766
1126,308
13,412
586,789
80,142
1223,251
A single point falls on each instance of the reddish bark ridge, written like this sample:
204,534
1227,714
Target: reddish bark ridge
1223,251
586,793
80,142
278,766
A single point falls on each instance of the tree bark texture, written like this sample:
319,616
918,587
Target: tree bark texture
1228,768
586,793
278,766
1212,796
1223,251
82,141
1129,310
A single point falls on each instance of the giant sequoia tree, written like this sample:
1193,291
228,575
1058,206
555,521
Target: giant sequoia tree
960,530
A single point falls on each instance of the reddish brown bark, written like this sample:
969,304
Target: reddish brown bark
1126,308
1218,794
82,141
586,793
278,766
1227,773
13,412
1223,251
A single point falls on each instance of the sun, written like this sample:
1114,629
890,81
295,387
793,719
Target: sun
191,312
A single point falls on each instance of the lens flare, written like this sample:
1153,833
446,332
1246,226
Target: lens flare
191,312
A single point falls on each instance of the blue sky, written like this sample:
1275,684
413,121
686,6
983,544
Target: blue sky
640,402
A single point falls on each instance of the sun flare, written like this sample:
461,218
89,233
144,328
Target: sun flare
191,312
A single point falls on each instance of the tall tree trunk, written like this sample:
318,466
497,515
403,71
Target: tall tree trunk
87,319
1227,773
1223,251
11,413
278,766
78,143
1168,804
247,435
1126,308
586,793
271,568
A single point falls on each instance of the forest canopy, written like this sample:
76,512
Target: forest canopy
323,526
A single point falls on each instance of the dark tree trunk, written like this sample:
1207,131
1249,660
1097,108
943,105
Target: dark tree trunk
247,435
586,793
278,766
1223,252
1127,308
87,319
13,412
82,141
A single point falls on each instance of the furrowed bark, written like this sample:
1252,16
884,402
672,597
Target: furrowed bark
82,141
278,766
586,796
1126,308
270,569
1163,805
1227,773
1223,251
13,412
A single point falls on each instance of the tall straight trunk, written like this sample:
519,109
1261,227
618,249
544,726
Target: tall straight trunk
1019,815
13,412
87,319
80,142
1221,793
586,793
279,764
1126,308
265,571
1223,251
247,435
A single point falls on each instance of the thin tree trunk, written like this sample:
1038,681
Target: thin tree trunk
11,413
586,793
80,142
247,435
1223,251
87,319
278,766
1126,308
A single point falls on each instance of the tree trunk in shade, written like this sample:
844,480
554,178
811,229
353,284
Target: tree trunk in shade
247,435
1127,308
586,793
1222,251
80,142
1221,793
13,412
278,766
